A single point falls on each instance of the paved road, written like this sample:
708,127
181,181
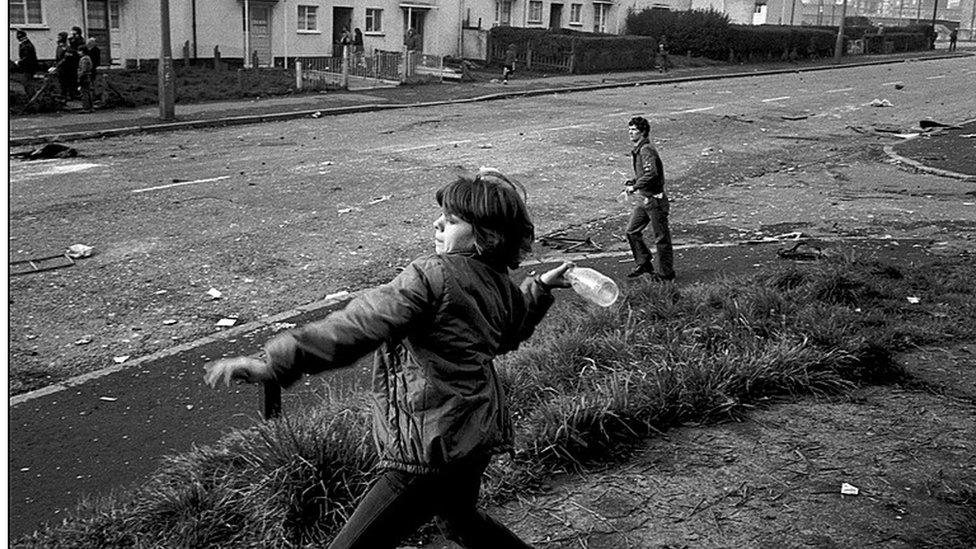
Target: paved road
148,194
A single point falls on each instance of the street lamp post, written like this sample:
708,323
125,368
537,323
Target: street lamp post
839,45
167,91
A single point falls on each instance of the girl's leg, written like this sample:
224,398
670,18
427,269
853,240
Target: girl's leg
395,506
458,516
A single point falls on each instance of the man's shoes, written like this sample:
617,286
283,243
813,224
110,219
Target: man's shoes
640,270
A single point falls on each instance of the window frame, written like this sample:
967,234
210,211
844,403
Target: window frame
503,13
374,21
577,10
302,22
531,18
26,23
601,12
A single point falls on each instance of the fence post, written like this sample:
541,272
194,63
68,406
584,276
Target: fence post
404,63
345,67
528,57
298,74
272,399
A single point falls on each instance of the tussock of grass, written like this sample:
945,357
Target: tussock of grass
588,386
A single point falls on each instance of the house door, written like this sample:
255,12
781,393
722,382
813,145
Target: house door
341,22
261,33
96,21
413,18
555,16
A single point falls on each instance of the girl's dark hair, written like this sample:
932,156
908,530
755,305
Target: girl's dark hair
491,203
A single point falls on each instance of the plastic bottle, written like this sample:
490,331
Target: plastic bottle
593,285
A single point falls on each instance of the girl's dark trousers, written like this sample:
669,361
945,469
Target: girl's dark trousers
398,503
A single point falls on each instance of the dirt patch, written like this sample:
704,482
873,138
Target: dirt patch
774,479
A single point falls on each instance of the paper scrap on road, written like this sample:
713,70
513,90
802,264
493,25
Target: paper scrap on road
120,359
379,199
214,293
226,322
848,489
880,103
913,299
169,321
78,251
108,399
85,340
337,295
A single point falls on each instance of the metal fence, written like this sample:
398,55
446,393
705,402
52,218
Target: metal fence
377,69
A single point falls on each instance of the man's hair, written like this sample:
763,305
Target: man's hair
21,33
641,124
76,29
491,203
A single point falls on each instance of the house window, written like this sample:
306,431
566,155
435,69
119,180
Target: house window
576,14
113,14
600,15
503,13
374,20
25,12
535,11
307,18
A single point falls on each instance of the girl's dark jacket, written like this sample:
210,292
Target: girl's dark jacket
435,330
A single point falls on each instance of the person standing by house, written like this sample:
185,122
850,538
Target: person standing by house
652,206
26,62
85,74
662,55
66,76
96,58
509,67
953,36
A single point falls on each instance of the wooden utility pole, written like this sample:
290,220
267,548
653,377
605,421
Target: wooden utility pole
839,45
167,84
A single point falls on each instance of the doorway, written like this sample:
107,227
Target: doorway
341,22
555,16
261,33
413,18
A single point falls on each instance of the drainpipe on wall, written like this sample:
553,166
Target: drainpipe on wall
247,34
460,43
193,16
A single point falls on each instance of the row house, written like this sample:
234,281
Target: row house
274,30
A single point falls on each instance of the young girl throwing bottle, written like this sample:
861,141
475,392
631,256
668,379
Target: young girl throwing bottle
439,411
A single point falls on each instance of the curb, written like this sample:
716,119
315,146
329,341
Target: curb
354,109
342,297
918,166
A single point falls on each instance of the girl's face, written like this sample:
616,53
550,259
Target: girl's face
452,234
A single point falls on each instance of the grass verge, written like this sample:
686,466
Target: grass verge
589,386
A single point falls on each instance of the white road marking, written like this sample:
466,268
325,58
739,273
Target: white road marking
935,77
891,83
699,109
573,127
180,184
775,99
839,90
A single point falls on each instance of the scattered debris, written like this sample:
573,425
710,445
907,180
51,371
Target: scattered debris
795,235
226,322
848,489
707,151
899,86
108,399
568,244
189,406
85,340
317,114
932,124
968,135
795,116
120,359
880,103
336,295
913,300
48,150
379,199
169,321
214,293
801,251
908,135
38,264
78,251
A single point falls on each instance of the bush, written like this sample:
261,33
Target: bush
698,32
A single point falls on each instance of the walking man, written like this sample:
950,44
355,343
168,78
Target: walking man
26,62
651,208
